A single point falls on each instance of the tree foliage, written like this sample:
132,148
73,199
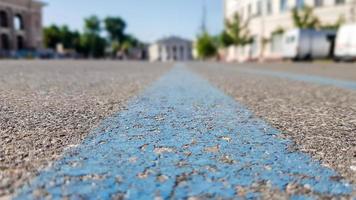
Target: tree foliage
70,39
54,35
91,42
304,18
92,25
236,31
225,39
119,40
334,26
93,45
205,46
115,27
278,31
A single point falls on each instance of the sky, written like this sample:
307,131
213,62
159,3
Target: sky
148,20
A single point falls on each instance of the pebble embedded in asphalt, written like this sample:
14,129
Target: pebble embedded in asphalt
177,123
49,106
320,120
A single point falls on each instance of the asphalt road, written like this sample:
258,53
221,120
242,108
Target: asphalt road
271,131
47,107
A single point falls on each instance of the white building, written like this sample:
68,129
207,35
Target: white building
171,49
266,16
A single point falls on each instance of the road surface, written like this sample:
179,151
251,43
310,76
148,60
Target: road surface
180,131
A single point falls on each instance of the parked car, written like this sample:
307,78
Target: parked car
308,44
345,48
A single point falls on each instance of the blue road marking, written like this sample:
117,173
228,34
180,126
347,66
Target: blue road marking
351,85
182,137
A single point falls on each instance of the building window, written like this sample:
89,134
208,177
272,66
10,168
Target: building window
338,2
290,39
182,52
318,3
3,19
167,50
259,8
283,5
19,23
174,53
299,4
20,43
5,42
269,7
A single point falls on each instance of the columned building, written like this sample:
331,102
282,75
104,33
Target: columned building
171,49
20,25
266,17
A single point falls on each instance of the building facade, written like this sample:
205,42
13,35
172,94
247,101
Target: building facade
265,17
20,25
171,49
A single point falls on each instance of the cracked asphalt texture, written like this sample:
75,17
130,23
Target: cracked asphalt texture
320,120
49,106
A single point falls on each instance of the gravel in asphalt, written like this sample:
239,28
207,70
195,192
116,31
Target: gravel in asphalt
320,120
185,139
49,106
342,71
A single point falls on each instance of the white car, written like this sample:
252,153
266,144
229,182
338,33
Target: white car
345,47
307,44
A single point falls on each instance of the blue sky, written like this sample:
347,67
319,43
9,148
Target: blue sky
147,19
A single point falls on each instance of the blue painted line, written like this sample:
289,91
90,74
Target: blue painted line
351,85
181,138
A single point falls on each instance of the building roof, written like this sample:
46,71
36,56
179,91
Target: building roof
172,39
24,3
42,3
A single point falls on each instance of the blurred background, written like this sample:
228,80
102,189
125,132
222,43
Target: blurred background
222,30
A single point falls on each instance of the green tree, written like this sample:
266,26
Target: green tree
54,35
69,39
225,39
92,25
66,37
278,31
51,36
115,27
92,44
119,40
76,44
334,26
304,18
237,31
205,46
132,41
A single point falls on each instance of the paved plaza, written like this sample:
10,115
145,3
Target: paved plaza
136,130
